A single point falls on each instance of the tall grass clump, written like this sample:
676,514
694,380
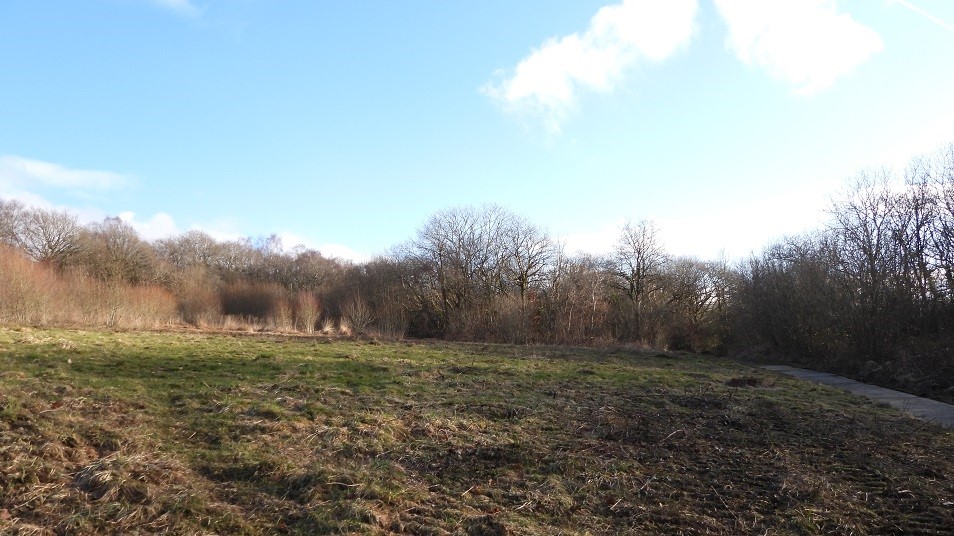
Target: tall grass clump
33,293
25,288
307,311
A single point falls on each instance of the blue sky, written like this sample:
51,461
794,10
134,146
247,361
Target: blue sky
344,125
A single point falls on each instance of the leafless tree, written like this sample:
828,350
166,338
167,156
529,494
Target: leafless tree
113,251
12,215
638,261
576,302
194,248
235,258
864,219
392,293
311,270
358,314
51,236
464,246
307,311
794,299
528,251
942,240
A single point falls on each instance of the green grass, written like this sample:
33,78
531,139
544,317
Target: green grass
192,433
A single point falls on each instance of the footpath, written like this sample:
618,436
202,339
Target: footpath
924,408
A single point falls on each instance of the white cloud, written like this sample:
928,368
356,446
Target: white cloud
728,231
721,229
595,241
340,251
290,241
21,172
806,43
160,225
546,82
21,178
23,196
183,7
898,151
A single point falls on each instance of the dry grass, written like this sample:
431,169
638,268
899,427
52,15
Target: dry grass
189,433
34,294
75,464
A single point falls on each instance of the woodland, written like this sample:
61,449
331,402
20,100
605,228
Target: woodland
869,293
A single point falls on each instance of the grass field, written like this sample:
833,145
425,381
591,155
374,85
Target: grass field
192,433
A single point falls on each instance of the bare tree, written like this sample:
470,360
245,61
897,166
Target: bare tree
12,215
113,251
307,311
235,258
637,263
464,248
942,238
917,212
793,299
311,270
51,236
865,222
528,253
386,282
575,300
194,248
691,304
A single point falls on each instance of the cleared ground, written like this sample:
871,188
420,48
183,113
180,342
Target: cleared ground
190,433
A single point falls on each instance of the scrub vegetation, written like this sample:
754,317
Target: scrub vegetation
870,294
181,432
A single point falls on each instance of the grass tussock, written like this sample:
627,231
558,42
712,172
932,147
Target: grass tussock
190,433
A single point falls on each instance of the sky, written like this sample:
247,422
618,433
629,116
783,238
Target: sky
343,126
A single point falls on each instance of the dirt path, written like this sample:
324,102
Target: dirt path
924,408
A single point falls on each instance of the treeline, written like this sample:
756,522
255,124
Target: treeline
471,273
487,274
872,291
47,256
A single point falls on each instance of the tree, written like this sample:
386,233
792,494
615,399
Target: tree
793,299
689,295
942,233
575,297
235,258
637,264
464,247
913,227
12,215
113,251
310,270
865,220
528,251
51,236
194,248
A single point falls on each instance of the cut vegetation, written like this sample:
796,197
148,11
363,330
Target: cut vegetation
191,433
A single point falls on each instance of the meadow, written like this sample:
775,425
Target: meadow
189,432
